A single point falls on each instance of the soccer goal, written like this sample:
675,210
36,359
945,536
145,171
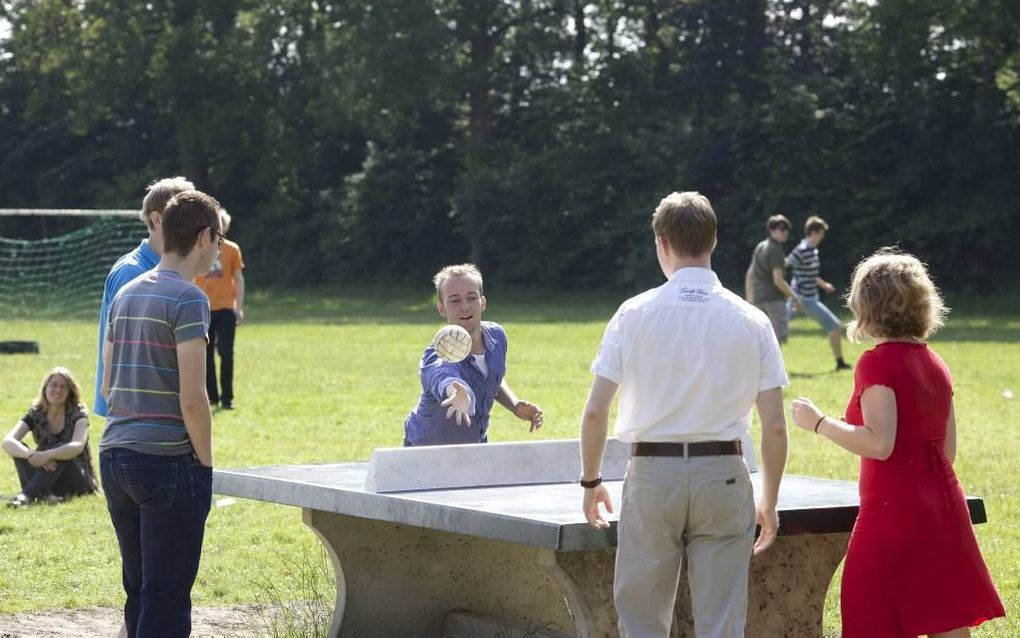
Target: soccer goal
62,276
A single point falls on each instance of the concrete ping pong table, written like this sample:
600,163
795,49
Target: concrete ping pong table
490,540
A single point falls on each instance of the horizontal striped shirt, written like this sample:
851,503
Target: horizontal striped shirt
806,266
148,318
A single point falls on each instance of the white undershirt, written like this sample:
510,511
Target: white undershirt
482,365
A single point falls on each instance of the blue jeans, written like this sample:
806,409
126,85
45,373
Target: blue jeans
813,307
158,505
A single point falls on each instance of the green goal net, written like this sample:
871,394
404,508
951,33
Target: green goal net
62,276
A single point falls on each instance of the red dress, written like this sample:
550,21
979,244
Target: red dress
913,566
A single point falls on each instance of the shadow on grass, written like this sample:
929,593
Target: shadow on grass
802,375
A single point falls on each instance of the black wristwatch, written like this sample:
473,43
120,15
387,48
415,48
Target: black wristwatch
595,482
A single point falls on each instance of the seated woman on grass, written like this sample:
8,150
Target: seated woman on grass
61,464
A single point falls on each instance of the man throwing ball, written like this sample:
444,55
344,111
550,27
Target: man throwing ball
456,398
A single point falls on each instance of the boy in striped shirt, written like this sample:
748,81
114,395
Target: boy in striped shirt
806,267
155,456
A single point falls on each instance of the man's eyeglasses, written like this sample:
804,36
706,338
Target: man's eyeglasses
219,236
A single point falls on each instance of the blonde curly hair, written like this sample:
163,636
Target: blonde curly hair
892,297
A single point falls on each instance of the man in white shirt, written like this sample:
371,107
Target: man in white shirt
690,359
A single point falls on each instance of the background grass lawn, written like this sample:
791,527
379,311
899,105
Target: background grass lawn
324,377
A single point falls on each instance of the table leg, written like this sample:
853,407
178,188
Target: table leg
786,596
402,580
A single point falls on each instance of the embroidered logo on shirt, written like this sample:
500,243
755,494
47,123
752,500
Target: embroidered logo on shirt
694,294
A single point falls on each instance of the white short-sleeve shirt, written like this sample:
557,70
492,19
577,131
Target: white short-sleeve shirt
690,358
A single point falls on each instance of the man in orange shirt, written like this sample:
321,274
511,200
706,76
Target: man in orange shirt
224,285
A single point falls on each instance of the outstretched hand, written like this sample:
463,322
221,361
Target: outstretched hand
529,412
457,403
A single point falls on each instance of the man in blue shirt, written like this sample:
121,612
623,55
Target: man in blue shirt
456,398
140,260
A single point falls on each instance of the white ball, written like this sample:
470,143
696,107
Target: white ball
452,343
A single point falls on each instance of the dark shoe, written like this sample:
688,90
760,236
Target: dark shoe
841,365
214,402
227,405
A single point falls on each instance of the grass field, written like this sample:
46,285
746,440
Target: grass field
324,378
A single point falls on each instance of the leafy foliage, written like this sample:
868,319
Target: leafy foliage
382,140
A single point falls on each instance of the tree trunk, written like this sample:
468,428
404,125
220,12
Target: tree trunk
479,130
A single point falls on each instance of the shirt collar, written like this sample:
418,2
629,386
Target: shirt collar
696,275
147,254
490,342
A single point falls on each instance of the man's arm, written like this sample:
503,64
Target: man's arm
194,400
779,280
824,285
104,389
749,284
773,461
594,428
523,410
239,296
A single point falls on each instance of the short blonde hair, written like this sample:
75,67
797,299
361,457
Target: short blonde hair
688,223
73,389
158,193
893,297
460,270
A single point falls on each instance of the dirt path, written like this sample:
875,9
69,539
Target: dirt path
104,622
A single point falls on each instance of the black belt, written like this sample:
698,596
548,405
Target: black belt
701,448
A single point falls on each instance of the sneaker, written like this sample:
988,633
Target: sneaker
227,405
841,365
18,501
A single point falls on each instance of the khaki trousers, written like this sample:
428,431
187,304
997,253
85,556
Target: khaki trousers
698,508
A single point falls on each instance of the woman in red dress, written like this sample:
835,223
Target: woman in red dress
913,566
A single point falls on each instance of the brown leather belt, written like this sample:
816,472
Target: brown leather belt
701,448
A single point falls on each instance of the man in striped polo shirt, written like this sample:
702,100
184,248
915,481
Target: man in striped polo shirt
156,452
806,281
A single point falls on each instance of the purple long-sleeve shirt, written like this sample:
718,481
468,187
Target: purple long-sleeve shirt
427,423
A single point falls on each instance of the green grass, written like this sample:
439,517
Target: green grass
325,377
